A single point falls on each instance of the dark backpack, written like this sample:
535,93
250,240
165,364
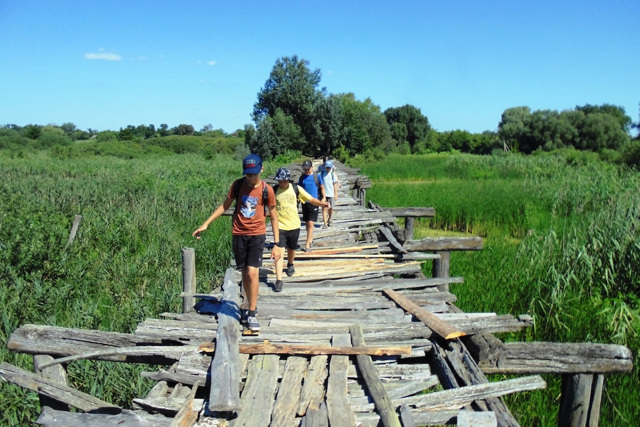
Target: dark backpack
237,185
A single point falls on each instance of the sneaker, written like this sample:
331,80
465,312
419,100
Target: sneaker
330,223
278,286
244,315
291,270
252,324
324,226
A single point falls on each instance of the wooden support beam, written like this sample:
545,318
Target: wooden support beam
225,366
580,400
57,374
445,244
412,212
188,278
432,321
381,399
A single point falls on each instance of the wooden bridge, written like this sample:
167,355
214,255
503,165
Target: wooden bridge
359,336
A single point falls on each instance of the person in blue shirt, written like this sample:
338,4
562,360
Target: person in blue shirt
312,183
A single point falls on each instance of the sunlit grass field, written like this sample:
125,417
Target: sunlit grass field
125,263
562,244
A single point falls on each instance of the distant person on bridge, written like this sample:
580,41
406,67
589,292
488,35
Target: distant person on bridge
312,182
253,197
329,178
287,196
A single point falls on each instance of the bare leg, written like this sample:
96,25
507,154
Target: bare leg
291,254
324,216
279,263
309,233
250,282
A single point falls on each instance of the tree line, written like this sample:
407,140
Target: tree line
292,112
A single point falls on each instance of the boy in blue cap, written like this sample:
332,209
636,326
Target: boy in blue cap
249,230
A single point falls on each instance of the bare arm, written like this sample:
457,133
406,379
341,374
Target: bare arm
218,212
276,253
316,202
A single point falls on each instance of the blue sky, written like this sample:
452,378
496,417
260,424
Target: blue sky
108,64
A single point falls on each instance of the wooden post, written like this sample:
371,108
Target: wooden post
441,268
74,229
363,197
188,278
56,373
408,227
580,400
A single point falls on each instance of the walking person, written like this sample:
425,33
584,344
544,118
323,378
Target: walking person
249,230
330,181
287,196
322,168
312,182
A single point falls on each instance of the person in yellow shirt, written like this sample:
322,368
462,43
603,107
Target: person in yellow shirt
287,196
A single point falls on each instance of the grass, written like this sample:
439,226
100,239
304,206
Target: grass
125,264
561,243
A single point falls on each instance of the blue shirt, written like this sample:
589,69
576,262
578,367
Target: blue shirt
309,184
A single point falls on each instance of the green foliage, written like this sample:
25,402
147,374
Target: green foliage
562,243
415,124
124,264
592,128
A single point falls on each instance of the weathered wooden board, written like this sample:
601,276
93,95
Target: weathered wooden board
225,395
380,397
445,244
54,390
259,392
313,388
561,358
53,418
338,408
289,392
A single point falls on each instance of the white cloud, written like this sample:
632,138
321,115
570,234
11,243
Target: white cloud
211,63
103,55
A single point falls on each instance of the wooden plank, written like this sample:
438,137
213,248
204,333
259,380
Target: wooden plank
312,393
414,212
259,391
433,322
57,341
338,408
476,419
54,390
187,415
445,244
316,417
56,374
55,418
561,358
269,348
384,406
225,372
289,391
458,397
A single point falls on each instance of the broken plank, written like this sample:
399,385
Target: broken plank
312,393
439,326
259,391
338,408
289,392
383,404
54,390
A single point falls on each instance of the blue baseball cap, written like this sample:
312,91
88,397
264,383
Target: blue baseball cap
328,164
283,174
251,164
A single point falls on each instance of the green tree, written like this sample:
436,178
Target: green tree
265,141
514,128
292,89
416,124
618,113
365,127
